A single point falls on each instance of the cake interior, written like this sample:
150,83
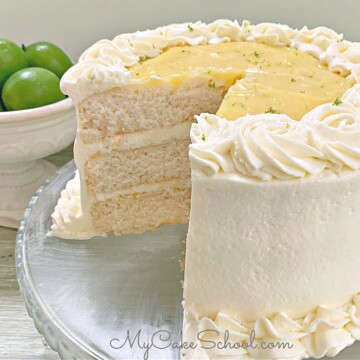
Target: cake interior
137,135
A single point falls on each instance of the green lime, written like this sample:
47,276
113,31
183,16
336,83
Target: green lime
30,88
12,59
2,108
48,56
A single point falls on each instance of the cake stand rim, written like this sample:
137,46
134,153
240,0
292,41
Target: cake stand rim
37,310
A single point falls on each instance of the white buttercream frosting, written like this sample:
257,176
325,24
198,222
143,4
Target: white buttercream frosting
341,56
226,31
272,34
315,41
272,146
324,332
69,219
105,64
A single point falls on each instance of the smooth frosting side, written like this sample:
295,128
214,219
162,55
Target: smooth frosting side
288,247
271,146
324,332
105,64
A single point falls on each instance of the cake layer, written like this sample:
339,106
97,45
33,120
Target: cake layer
145,211
145,165
138,107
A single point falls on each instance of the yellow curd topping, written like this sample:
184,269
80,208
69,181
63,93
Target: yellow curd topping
260,78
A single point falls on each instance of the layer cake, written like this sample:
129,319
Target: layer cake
272,251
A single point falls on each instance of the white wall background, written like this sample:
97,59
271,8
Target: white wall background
76,24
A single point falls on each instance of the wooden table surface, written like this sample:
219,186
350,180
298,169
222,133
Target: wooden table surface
19,340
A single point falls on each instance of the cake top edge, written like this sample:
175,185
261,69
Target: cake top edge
105,64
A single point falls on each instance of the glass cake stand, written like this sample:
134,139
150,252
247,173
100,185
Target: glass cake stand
85,297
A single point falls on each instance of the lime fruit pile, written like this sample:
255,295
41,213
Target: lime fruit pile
30,76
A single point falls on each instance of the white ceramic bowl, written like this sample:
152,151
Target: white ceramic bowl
26,136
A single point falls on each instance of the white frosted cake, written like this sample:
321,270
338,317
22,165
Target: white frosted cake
272,249
274,215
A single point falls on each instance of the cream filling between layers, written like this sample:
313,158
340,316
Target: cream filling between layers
145,189
133,140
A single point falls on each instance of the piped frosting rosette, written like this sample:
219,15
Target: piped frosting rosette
272,34
315,41
324,332
212,141
68,217
261,146
335,132
273,146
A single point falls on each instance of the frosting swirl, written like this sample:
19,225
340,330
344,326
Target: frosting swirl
335,132
272,34
269,146
324,332
355,74
315,41
211,145
142,44
353,96
192,34
110,52
223,30
341,56
68,216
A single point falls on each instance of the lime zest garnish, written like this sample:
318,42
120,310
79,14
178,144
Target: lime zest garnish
337,102
271,110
